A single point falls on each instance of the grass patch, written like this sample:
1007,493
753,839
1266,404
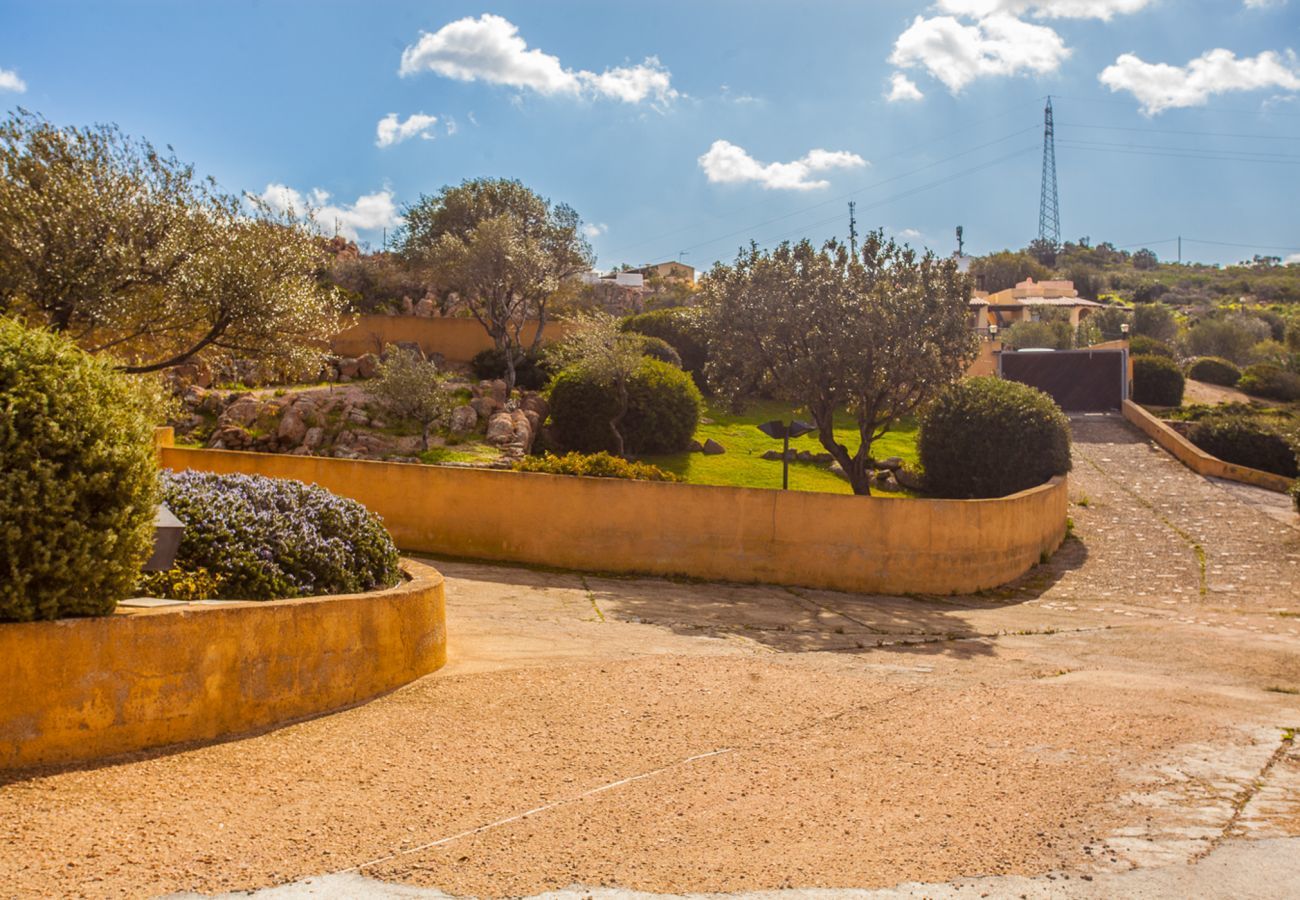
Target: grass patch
461,453
743,464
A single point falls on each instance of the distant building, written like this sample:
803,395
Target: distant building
1026,301
634,280
669,271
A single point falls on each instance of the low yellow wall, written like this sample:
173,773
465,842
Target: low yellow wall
987,362
77,690
1197,459
868,544
458,340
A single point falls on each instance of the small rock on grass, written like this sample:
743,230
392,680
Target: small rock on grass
713,448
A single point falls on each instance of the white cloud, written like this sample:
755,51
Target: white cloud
902,89
9,81
910,233
726,163
957,54
1264,4
1292,260
1047,9
450,124
370,212
490,49
1159,86
595,229
390,131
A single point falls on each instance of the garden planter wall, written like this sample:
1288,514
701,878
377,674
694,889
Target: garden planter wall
866,544
78,690
1197,459
455,340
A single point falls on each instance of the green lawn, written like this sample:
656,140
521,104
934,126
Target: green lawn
743,466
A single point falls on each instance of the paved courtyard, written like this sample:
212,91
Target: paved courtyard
1118,723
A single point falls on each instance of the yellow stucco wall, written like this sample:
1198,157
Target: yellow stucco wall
458,340
868,544
987,362
83,689
1197,459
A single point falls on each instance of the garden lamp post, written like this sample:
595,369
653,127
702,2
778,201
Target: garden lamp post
993,332
778,429
167,531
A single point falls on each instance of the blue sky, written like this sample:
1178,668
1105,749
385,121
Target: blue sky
659,121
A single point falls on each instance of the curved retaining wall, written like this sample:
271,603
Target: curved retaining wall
83,689
457,340
864,544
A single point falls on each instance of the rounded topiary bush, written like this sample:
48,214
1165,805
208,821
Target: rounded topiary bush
531,374
1143,345
1270,382
1238,440
658,348
267,538
1214,370
1157,381
663,411
986,437
77,479
677,327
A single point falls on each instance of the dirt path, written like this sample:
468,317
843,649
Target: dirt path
1124,705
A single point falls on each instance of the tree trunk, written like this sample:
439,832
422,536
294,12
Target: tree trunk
855,467
510,371
615,422
424,436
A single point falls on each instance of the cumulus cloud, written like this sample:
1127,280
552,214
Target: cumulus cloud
1293,259
910,233
490,49
9,81
726,163
391,131
1047,9
370,212
595,229
1264,4
957,54
1159,86
902,89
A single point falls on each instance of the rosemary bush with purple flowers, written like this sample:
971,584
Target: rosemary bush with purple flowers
268,538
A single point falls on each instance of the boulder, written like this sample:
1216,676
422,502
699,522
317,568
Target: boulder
883,479
909,479
464,419
242,412
313,438
804,456
823,458
358,416
367,366
892,464
499,393
713,448
348,368
425,308
409,347
484,407
695,446
536,403
292,428
500,428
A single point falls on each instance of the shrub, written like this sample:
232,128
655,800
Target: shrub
266,538
1231,337
189,585
78,482
1046,335
531,374
658,348
1262,380
1154,320
986,437
1214,370
595,465
663,410
1141,345
1238,440
677,327
1157,381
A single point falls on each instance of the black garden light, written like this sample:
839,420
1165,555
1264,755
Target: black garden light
167,530
778,429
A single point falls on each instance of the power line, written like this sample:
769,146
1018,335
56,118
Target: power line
1228,109
1217,157
1245,154
1230,134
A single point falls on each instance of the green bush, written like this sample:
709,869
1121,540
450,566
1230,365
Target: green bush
663,410
265,538
1141,345
986,437
1214,370
1039,335
77,479
1238,440
658,348
595,465
676,326
1262,380
1157,381
530,375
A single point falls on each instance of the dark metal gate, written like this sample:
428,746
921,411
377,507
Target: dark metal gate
1078,380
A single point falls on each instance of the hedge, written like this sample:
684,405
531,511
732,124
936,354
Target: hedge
1142,345
677,327
1214,370
988,437
594,465
663,411
1157,381
1238,440
1270,382
78,479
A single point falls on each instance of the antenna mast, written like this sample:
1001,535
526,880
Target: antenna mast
853,228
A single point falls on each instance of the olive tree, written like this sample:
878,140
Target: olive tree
411,389
599,350
119,246
876,335
503,250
